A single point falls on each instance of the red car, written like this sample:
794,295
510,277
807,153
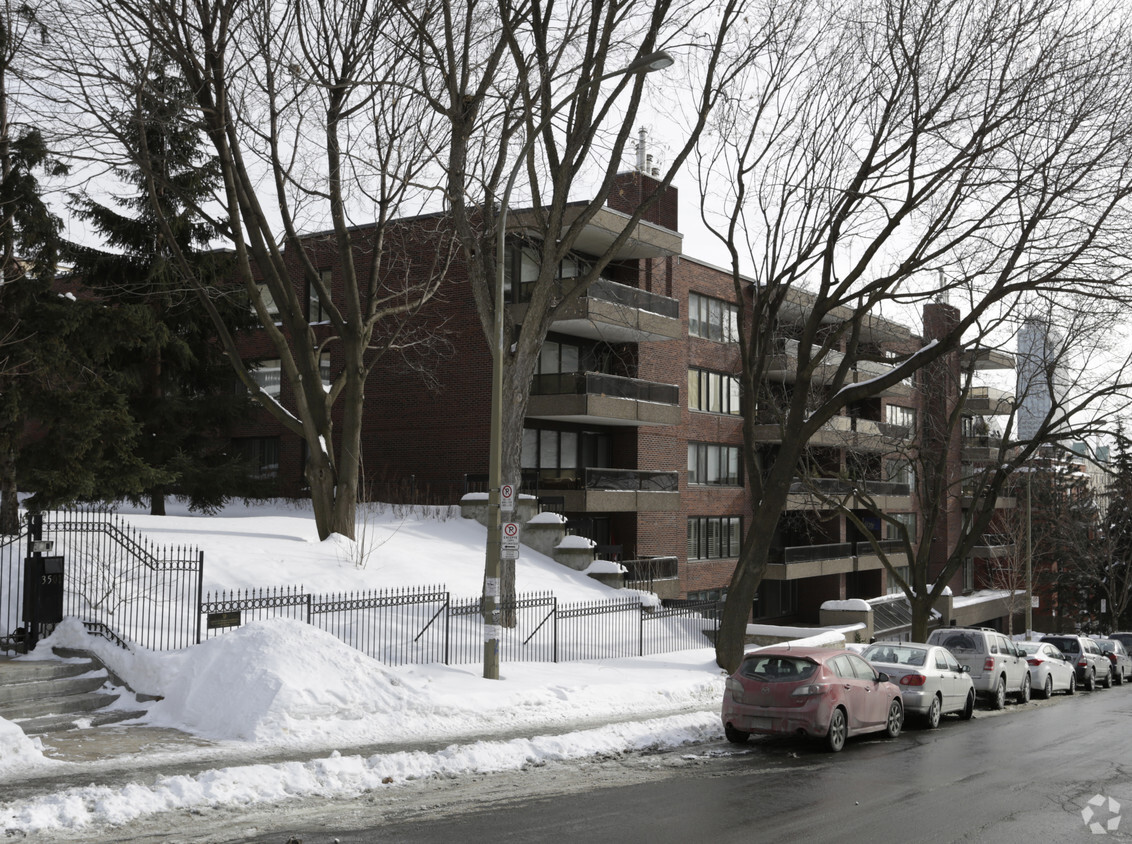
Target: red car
818,692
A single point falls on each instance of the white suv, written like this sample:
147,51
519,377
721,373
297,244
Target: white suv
997,666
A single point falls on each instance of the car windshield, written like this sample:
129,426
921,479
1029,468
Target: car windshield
777,668
1030,647
895,654
1107,647
962,642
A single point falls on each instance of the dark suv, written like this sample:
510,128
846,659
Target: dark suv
1085,655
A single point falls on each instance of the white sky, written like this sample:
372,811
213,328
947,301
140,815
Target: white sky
247,690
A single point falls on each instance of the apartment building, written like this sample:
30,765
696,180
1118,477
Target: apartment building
633,430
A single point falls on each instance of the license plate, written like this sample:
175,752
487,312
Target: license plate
762,723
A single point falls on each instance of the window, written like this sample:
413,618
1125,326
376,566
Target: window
776,598
269,375
893,531
544,449
893,586
522,262
712,464
315,311
262,453
713,392
969,574
712,319
905,417
713,537
324,369
268,301
708,595
902,472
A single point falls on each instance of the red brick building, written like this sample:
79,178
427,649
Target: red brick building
633,429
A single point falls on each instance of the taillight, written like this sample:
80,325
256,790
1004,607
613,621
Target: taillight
809,690
1111,658
1082,663
1034,661
989,664
913,680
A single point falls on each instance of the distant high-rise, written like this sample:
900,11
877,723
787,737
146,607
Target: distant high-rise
1038,375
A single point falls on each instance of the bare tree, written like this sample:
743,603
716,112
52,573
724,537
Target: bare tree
304,107
533,98
892,152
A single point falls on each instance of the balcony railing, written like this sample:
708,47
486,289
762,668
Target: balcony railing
812,553
887,546
650,569
619,294
631,480
601,384
842,486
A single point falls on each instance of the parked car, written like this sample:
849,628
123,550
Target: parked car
998,667
1050,669
1092,665
1117,655
932,682
1124,639
819,692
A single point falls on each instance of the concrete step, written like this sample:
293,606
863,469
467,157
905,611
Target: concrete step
44,696
14,693
61,722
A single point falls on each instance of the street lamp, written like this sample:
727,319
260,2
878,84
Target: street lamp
491,595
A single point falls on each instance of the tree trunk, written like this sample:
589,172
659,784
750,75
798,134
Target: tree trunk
157,503
9,500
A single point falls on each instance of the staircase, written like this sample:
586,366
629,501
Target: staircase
44,696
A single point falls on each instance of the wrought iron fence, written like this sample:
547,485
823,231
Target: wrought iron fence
428,625
114,579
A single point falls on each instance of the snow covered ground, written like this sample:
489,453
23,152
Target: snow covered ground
282,684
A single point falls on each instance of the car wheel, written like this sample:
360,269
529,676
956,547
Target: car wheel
1107,681
1072,685
735,736
895,720
931,720
1091,682
1047,689
999,699
1024,695
968,708
838,730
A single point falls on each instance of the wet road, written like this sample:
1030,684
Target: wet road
1022,775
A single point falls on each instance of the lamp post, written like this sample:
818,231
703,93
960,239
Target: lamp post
491,596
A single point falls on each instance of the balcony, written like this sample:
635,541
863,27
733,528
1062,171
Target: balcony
845,432
994,545
616,313
981,448
799,561
981,358
988,401
815,494
614,490
784,368
595,398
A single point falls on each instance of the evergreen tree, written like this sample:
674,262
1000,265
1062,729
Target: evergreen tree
178,382
1118,516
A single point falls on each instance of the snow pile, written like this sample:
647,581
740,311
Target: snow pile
18,753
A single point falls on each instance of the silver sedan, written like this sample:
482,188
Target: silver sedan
931,681
1050,671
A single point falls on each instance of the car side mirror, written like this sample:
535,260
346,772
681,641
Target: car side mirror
964,669
882,677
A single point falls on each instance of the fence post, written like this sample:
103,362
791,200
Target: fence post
308,597
641,629
447,622
554,637
200,591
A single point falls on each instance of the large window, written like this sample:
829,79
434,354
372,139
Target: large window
262,453
894,531
315,311
545,449
714,464
776,598
905,417
713,537
269,375
268,301
713,392
712,319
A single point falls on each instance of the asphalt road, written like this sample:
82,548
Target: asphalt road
1024,774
